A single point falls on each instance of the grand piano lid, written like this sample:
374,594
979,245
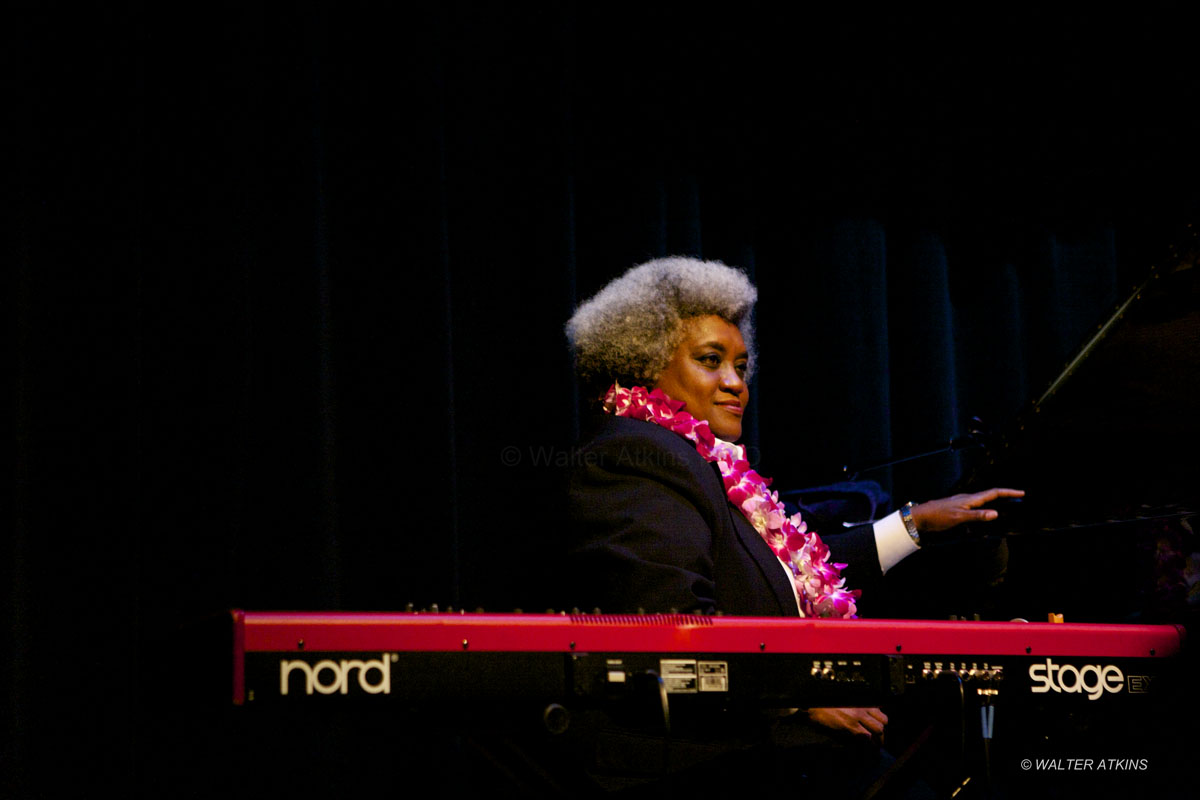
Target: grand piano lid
1116,436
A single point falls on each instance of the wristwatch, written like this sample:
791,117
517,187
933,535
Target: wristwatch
909,525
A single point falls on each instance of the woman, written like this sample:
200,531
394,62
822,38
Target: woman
665,513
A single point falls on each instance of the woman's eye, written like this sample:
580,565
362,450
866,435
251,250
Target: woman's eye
741,368
710,360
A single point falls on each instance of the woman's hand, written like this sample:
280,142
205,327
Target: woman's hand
946,512
868,722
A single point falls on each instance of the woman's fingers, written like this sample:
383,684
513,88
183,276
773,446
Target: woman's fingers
947,512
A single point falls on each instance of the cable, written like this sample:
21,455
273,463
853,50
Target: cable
665,701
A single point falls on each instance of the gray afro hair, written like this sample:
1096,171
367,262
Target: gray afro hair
630,329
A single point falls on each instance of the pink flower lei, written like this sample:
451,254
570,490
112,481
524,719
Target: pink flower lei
818,583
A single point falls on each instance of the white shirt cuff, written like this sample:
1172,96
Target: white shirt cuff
892,541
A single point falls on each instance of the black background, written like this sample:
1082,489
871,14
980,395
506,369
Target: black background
286,285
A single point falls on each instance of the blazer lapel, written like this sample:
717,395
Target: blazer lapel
772,568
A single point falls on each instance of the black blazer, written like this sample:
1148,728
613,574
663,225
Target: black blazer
651,529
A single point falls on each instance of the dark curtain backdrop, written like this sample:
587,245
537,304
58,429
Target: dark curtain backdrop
286,283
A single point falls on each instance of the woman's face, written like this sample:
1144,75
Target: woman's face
708,373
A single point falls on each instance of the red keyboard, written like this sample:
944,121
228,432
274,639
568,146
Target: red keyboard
420,657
